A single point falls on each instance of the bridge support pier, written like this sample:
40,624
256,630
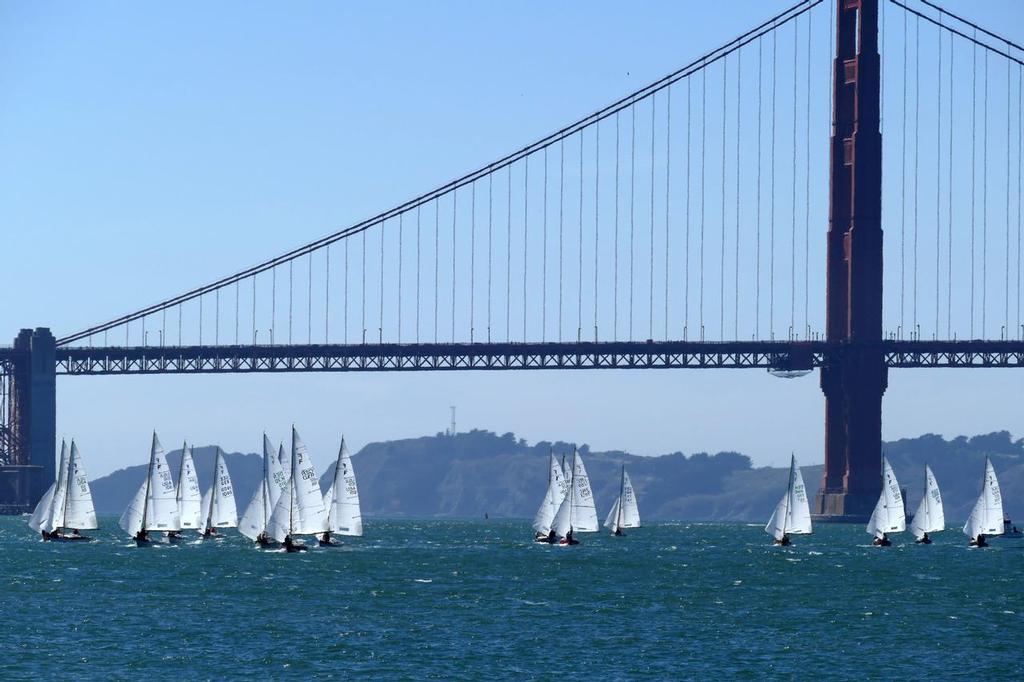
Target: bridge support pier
32,417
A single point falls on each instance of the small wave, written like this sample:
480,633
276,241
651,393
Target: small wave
422,580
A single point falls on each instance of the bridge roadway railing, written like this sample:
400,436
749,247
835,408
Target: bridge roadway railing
771,355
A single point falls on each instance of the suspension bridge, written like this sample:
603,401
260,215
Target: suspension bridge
686,225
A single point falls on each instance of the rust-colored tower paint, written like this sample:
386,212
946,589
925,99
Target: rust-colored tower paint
855,383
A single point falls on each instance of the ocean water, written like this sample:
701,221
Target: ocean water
478,600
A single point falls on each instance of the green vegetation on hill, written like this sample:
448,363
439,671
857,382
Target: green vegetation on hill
478,472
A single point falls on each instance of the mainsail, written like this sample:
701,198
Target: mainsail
792,514
889,515
40,519
155,504
558,486
624,513
79,512
987,516
188,495
300,509
60,493
342,499
577,511
219,501
929,517
273,482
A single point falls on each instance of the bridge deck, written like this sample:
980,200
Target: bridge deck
780,355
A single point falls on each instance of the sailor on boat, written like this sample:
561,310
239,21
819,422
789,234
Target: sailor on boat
882,541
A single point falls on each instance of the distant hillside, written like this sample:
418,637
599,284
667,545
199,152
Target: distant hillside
480,472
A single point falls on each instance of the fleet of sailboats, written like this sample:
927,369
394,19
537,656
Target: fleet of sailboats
792,515
288,503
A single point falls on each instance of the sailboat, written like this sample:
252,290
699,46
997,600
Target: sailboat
987,516
273,482
40,519
558,486
70,505
155,505
792,515
188,495
219,510
889,515
300,509
577,512
624,513
342,501
929,517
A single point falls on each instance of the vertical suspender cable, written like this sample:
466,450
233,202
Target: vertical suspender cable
771,225
949,233
938,178
903,187
561,228
508,259
472,261
526,233
984,203
739,142
597,215
579,273
917,147
345,307
419,223
401,230
490,233
974,164
327,295
632,210
757,221
544,257
1006,300
807,188
703,186
615,300
362,291
721,243
309,294
455,217
650,311
689,176
668,186
380,318
792,236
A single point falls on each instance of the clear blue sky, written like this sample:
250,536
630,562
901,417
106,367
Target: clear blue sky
147,148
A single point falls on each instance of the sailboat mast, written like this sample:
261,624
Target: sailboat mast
789,493
149,478
67,486
622,489
572,488
291,487
181,474
266,488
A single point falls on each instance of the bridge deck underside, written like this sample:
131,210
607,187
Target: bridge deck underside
778,355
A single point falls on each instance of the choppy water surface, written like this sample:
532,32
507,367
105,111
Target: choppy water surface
444,599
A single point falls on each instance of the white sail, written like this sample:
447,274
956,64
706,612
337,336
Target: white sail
257,512
558,486
987,516
60,493
888,516
792,515
189,500
131,518
275,473
929,517
219,508
566,471
611,521
300,509
284,458
577,511
41,514
161,498
625,513
79,512
342,499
